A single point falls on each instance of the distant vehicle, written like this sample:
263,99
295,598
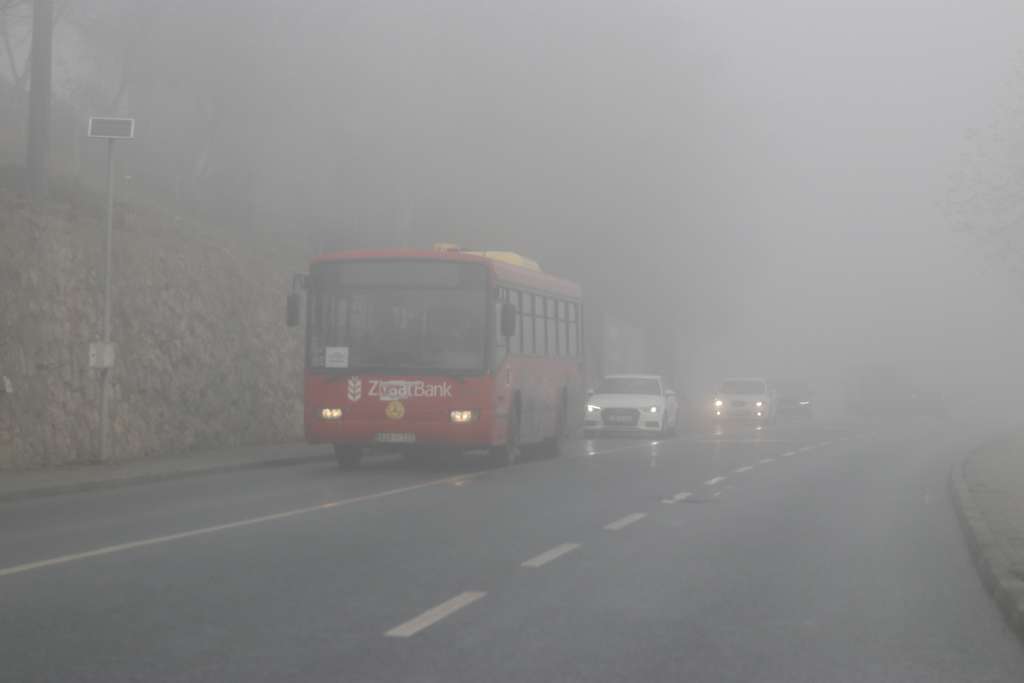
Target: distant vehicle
793,398
632,403
423,351
750,398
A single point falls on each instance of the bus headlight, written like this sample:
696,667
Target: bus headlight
463,416
331,413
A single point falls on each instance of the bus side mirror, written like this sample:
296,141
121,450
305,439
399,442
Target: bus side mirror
293,309
508,320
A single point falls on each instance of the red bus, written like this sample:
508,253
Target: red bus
423,352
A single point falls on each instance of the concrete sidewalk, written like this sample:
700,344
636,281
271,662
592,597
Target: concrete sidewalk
75,478
989,492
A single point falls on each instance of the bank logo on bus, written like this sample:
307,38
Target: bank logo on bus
401,389
355,388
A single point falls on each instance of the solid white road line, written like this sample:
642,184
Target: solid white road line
743,469
625,521
712,482
682,495
435,614
110,549
766,461
550,555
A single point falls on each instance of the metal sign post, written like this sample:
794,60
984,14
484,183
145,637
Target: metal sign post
101,354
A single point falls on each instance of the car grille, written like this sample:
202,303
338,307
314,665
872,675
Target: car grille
620,417
739,404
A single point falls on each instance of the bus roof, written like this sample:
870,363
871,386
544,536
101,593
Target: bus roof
505,272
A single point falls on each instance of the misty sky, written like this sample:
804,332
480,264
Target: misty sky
850,118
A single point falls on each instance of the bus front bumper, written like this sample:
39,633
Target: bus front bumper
406,433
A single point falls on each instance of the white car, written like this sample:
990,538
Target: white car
750,398
632,403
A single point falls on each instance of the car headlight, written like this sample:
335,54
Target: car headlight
650,409
463,416
331,413
591,408
759,404
718,403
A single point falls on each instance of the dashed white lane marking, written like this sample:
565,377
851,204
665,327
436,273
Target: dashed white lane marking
625,521
682,495
712,482
788,454
767,461
823,444
110,549
435,614
549,555
805,449
743,469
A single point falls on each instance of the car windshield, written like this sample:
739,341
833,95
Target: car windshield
398,316
743,386
629,385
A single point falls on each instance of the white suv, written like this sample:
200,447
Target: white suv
632,403
750,398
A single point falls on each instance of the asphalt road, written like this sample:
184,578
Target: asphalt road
804,553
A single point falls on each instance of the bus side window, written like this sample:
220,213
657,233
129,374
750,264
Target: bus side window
539,331
563,331
515,297
500,343
573,330
527,322
552,325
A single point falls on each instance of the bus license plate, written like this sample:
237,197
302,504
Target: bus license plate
396,437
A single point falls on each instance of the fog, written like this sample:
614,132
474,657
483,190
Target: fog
770,182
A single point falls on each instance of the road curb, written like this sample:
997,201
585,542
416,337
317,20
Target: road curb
992,564
124,482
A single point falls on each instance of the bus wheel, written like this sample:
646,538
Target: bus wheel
507,453
348,457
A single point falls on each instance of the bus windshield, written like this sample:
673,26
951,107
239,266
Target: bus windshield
398,316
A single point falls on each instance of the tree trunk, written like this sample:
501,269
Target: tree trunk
40,94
